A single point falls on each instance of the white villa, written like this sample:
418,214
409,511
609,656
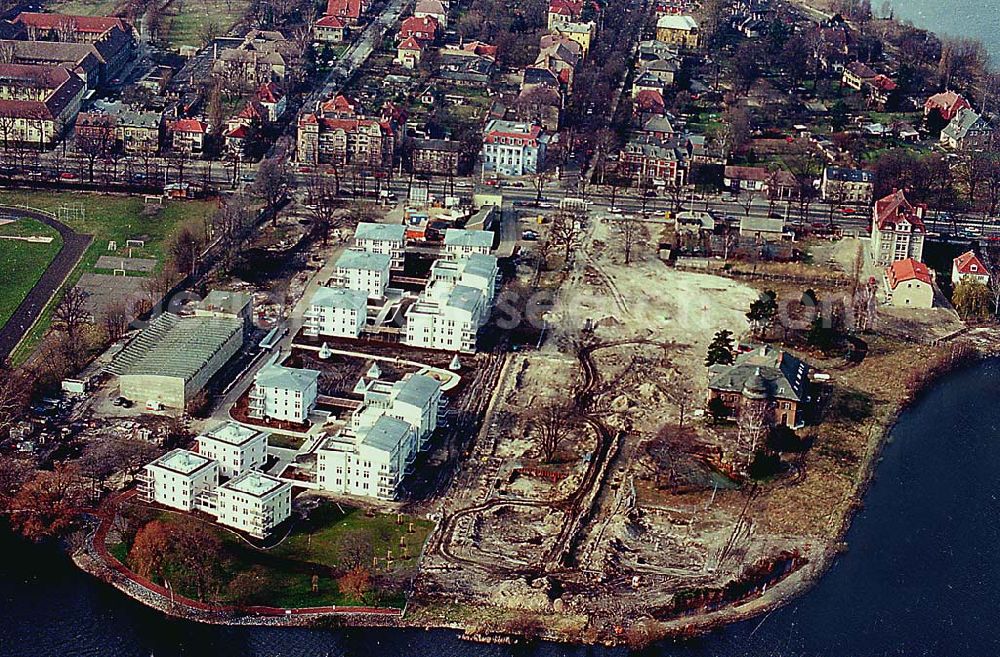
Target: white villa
238,449
363,271
386,239
284,393
337,311
254,503
179,479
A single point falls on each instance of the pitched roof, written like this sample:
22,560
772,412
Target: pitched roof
969,263
352,259
91,24
270,93
773,372
893,208
844,174
964,121
189,125
367,230
670,22
331,22
344,8
410,43
650,100
417,390
908,270
948,102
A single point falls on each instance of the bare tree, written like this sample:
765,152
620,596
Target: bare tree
552,424
632,231
271,183
564,232
71,313
755,419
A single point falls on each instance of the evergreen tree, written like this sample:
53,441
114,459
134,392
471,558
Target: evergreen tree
762,312
720,350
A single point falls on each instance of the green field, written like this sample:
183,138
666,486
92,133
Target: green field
109,219
186,27
23,263
314,548
84,7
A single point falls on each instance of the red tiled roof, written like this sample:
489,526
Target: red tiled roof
946,102
481,49
237,132
650,100
330,21
884,82
893,208
969,263
410,43
908,270
188,125
413,26
339,104
270,93
93,24
746,173
344,8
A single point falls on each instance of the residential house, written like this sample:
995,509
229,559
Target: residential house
897,230
409,52
332,140
967,131
648,103
97,63
909,284
439,156
254,503
564,11
364,271
465,67
945,105
581,33
348,11
329,29
649,159
881,92
178,479
426,29
369,463
514,148
257,60
843,185
337,312
130,131
283,393
762,229
386,239
857,74
679,31
273,100
776,183
764,376
432,9
188,135
40,102
969,264
69,28
238,449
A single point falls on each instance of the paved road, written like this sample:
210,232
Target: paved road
74,244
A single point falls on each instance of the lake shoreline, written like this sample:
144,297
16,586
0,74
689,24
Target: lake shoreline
789,587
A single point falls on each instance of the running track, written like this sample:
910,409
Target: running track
74,244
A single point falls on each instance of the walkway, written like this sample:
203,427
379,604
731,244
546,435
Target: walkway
26,314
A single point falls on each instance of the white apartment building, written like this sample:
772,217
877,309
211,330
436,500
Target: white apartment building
513,148
477,271
237,448
459,243
369,463
179,479
363,271
446,317
387,239
897,230
338,312
254,503
414,399
284,393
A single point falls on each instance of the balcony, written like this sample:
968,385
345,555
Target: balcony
256,393
145,487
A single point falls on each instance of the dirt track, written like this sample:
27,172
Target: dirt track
74,245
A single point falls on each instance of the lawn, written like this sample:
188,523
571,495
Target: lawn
23,263
316,547
187,26
84,7
109,218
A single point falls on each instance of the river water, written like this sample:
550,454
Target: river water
956,18
921,576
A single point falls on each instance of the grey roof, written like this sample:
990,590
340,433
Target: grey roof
658,123
964,121
286,378
352,259
845,174
340,297
386,434
675,22
231,433
474,238
481,264
371,231
175,346
417,390
767,370
182,461
464,297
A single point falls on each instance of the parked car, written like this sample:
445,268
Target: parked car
68,175
529,236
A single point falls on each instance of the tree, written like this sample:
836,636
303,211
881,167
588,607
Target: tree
553,425
355,583
355,549
717,409
185,249
271,183
633,233
762,312
972,299
178,550
15,389
564,232
14,473
247,586
755,420
105,457
48,506
71,315
720,349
